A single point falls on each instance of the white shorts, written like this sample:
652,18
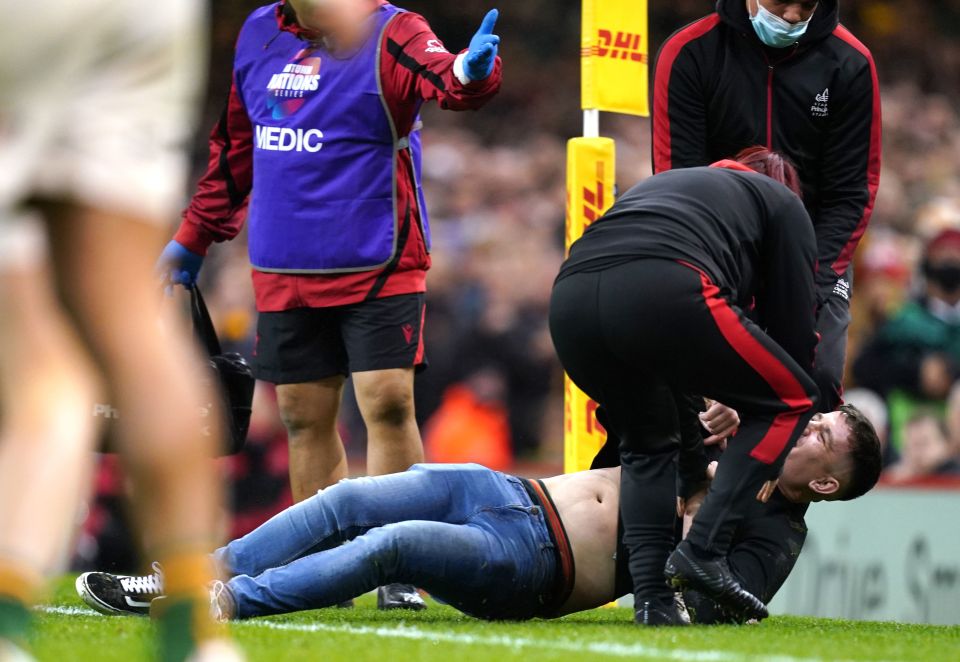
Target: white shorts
97,104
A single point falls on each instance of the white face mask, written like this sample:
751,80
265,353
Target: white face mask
775,31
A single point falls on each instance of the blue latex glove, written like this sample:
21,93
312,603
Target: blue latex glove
179,265
479,60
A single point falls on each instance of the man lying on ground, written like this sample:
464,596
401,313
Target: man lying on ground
492,545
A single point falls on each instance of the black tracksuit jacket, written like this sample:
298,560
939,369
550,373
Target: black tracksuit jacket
719,89
750,234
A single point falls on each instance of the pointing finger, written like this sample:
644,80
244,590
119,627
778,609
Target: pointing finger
489,21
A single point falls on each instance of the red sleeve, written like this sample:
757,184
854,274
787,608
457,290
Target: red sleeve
416,66
218,208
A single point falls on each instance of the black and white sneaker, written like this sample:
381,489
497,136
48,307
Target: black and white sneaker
399,596
120,594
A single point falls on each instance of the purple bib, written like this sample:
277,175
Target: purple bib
325,151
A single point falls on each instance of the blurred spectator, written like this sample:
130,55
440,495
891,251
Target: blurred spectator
471,423
915,356
918,349
926,450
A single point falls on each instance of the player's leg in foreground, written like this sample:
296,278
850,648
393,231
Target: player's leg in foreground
463,532
110,168
156,378
48,387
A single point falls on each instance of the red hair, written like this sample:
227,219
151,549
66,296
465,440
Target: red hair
774,165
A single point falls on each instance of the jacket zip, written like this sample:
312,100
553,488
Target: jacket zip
769,106
770,69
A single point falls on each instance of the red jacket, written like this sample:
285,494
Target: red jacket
414,67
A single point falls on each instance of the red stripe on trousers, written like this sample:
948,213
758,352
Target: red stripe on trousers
662,151
765,364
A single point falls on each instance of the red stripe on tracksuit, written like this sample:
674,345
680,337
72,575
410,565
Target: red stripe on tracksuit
774,373
662,159
873,159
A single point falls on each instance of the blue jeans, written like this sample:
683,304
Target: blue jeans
468,535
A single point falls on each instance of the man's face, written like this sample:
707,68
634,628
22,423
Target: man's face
792,12
817,464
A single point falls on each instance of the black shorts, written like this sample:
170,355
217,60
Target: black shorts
307,344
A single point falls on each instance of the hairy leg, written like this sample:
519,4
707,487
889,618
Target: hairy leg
385,398
309,412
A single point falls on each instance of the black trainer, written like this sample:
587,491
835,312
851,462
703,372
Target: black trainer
120,594
684,569
662,612
399,596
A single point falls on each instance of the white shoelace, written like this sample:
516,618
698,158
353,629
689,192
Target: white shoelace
146,584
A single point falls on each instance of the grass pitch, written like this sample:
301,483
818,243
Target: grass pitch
68,631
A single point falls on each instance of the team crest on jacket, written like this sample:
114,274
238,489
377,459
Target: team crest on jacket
820,107
288,89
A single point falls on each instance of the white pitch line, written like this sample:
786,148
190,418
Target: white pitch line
68,611
566,645
506,641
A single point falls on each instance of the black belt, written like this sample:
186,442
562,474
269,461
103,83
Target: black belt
558,593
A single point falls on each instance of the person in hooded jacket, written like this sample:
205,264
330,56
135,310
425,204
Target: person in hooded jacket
789,76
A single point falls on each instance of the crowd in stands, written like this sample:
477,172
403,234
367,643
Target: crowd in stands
495,191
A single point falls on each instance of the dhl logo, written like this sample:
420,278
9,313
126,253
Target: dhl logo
593,198
592,424
589,424
622,46
592,209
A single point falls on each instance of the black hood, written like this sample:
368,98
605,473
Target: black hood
824,22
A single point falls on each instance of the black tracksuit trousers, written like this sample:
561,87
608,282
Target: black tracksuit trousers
624,334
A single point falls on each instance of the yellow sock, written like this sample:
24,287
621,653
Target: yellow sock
19,589
19,583
186,579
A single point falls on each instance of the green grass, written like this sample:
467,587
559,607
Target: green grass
441,633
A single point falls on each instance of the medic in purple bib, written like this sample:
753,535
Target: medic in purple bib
319,151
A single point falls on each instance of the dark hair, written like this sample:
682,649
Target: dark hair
865,455
773,164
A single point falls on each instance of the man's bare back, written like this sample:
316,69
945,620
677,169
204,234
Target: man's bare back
589,503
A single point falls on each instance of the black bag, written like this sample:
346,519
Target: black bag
231,375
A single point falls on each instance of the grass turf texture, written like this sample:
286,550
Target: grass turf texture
67,631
